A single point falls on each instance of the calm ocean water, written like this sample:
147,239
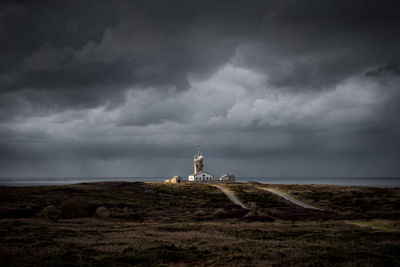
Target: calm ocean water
348,181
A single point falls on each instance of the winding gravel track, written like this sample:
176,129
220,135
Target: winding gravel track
231,196
289,198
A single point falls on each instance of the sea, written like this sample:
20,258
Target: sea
345,181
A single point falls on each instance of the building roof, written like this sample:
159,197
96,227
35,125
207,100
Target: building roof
227,176
201,173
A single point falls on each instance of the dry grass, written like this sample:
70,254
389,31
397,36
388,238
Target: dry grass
94,241
362,202
161,228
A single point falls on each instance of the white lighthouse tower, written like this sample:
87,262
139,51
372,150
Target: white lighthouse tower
199,175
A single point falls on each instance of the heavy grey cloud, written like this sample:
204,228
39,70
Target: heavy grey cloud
268,87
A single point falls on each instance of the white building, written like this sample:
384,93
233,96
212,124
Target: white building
228,178
200,177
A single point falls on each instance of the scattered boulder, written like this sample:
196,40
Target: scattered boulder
127,210
219,212
30,206
200,213
102,212
51,212
76,208
252,205
250,214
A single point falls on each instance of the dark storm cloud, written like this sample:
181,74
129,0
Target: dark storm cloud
25,25
312,44
388,69
87,52
260,80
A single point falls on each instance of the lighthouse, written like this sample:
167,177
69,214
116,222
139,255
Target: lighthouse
199,175
198,161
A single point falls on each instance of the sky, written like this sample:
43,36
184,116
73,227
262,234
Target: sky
268,88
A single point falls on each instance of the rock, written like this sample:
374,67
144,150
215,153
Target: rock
200,213
219,212
30,206
76,208
250,214
51,212
127,210
252,205
102,212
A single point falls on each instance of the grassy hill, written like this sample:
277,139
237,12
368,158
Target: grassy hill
157,224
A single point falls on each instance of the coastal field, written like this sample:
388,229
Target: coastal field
157,224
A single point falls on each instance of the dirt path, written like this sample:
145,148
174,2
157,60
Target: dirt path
289,198
231,196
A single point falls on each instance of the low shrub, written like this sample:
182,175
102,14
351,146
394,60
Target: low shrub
102,212
76,208
51,212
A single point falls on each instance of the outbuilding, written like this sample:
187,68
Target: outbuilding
227,178
175,180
